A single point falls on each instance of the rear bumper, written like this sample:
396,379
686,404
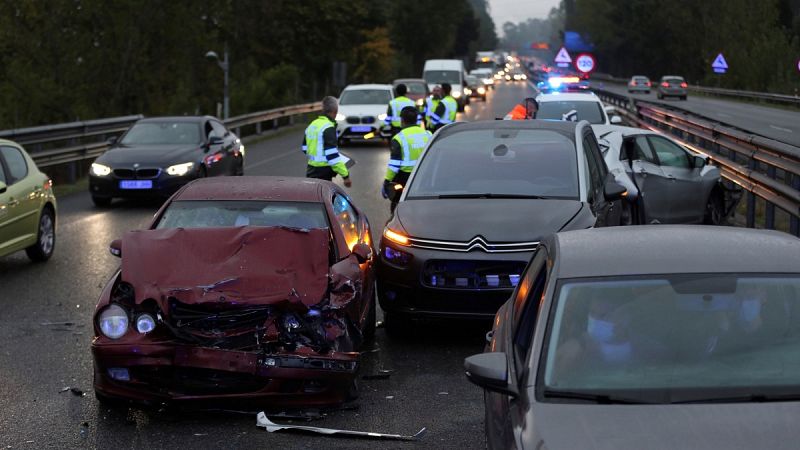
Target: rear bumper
673,92
198,376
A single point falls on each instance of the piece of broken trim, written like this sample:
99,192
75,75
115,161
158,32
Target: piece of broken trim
264,422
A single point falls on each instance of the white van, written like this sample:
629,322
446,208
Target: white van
438,71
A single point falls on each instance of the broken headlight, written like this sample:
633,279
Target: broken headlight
113,321
290,322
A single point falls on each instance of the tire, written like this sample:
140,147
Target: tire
372,317
715,209
683,97
240,171
344,142
647,92
202,172
626,217
101,202
660,97
45,244
396,324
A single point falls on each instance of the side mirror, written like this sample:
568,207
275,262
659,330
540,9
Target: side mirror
363,252
613,190
616,119
490,371
112,140
215,140
3,187
116,248
698,162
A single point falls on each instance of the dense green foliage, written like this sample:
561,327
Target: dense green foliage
64,60
760,39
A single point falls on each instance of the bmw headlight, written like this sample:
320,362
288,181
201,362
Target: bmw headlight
420,102
100,170
340,117
113,321
481,90
145,323
381,117
467,91
180,170
456,94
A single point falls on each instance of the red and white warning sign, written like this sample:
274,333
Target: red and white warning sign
585,63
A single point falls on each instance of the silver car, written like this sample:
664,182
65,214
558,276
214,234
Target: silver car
668,337
672,86
666,182
639,83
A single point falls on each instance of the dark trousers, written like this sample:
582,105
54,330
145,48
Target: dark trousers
323,173
394,195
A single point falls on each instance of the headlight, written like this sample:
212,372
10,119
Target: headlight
340,117
100,170
420,102
481,90
113,321
456,94
145,323
395,237
381,117
180,169
467,91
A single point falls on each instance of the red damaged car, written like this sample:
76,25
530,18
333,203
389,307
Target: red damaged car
256,288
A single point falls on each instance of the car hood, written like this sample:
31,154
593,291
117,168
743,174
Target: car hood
148,155
362,110
240,265
654,427
497,220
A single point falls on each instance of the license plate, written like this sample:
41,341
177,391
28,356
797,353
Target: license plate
136,184
360,129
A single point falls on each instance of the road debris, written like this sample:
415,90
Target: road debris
264,422
75,391
381,375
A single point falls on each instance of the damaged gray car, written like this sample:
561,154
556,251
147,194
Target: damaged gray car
255,289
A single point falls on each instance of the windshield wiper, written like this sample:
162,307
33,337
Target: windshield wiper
490,195
602,399
747,398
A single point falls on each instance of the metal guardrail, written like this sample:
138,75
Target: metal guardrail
733,93
765,168
71,143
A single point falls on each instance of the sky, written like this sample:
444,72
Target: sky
519,10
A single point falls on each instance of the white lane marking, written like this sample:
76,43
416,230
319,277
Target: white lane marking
781,129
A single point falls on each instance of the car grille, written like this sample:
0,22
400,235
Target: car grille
130,174
353,119
148,173
223,323
472,275
196,381
477,243
367,119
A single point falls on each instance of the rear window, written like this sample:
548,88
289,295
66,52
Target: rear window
674,80
571,111
216,213
416,88
443,76
505,162
365,97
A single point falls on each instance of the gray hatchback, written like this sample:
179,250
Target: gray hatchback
657,337
672,86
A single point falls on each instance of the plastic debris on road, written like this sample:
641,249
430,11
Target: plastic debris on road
380,375
263,422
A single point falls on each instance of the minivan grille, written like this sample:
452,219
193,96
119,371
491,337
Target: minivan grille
472,275
477,243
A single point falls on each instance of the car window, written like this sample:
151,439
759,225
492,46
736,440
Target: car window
595,182
668,153
642,149
2,173
347,218
15,162
163,133
365,97
572,111
594,148
526,306
218,129
230,213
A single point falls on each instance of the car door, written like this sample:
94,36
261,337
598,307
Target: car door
352,225
685,202
603,210
214,158
654,187
19,203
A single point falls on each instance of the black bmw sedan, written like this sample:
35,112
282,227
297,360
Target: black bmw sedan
156,156
475,208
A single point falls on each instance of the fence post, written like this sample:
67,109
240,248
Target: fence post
794,221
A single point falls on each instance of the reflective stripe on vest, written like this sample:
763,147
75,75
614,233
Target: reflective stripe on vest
430,111
314,142
412,141
397,105
450,109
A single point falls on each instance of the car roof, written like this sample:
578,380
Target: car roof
639,76
568,97
671,76
600,129
665,249
409,80
11,143
290,189
368,86
563,126
177,119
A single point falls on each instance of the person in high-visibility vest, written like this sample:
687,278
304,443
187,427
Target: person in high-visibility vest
431,103
396,105
406,148
524,111
320,145
448,107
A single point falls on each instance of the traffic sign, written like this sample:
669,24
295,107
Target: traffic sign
563,59
720,65
798,64
585,63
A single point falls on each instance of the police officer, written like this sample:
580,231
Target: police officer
396,105
431,103
448,107
320,145
524,111
407,146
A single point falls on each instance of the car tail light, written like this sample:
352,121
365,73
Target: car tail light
665,84
48,185
631,83
649,84
684,85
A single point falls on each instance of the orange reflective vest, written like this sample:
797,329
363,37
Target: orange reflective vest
518,113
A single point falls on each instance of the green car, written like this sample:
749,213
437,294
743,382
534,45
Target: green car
27,205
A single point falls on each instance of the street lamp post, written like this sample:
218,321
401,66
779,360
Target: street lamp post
212,55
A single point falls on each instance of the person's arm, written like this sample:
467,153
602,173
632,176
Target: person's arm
388,119
439,117
395,160
335,160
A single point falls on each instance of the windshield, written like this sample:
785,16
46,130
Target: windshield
365,97
232,213
498,161
679,338
571,110
443,76
416,88
163,133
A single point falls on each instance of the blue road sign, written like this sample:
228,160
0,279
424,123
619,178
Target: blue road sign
720,65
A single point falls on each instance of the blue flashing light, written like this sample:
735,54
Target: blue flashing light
119,374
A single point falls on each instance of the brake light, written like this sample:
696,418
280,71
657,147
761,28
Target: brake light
684,85
631,83
665,84
48,185
649,84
